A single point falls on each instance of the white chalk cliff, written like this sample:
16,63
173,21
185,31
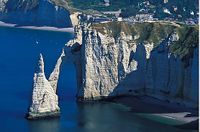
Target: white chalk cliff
110,66
116,58
35,13
44,98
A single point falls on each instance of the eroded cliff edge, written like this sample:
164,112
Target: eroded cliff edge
156,59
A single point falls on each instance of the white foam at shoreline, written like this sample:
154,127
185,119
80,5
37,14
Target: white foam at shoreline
45,28
180,116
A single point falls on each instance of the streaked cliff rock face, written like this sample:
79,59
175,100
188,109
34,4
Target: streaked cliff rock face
34,13
44,98
110,64
53,79
2,5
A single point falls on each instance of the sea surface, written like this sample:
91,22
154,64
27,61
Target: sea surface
19,51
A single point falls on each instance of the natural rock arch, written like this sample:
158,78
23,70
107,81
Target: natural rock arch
103,62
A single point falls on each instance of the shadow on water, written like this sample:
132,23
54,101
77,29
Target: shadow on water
103,116
45,125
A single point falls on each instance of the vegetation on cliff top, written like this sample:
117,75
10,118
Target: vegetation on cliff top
154,33
188,41
147,32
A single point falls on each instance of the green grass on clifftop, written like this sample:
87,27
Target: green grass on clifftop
147,32
155,32
189,40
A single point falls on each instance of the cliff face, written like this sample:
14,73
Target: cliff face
34,13
143,59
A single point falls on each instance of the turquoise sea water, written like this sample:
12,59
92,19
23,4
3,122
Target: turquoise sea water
19,50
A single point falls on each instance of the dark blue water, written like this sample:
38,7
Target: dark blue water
18,57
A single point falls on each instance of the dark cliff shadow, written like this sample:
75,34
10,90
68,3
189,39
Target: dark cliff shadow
131,90
147,104
135,78
134,85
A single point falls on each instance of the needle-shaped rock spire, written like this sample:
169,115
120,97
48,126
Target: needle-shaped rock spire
44,99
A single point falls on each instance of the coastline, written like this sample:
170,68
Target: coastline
43,28
157,110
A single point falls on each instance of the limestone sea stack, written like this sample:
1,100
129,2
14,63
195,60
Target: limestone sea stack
44,98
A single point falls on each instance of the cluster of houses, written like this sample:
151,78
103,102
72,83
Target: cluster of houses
105,17
108,16
133,19
141,18
191,21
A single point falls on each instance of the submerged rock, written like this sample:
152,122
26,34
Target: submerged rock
44,98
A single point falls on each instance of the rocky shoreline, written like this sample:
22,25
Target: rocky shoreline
187,118
45,115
